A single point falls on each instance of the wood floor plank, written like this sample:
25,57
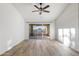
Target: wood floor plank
40,48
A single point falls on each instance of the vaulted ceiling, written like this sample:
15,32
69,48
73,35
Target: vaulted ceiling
26,11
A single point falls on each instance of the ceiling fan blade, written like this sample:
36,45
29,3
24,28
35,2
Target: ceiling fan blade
37,7
46,11
35,11
46,7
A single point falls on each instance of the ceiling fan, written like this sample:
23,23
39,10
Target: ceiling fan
41,9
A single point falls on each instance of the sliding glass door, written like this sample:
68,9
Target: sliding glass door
38,31
66,36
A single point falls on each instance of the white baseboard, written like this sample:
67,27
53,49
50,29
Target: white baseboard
10,47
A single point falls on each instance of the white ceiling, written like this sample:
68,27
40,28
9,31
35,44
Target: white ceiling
26,11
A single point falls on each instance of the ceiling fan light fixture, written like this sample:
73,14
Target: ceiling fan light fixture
41,9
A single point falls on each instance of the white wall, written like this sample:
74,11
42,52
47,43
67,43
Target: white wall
52,29
68,20
26,31
11,27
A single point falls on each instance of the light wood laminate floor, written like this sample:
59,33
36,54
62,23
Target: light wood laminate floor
40,48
